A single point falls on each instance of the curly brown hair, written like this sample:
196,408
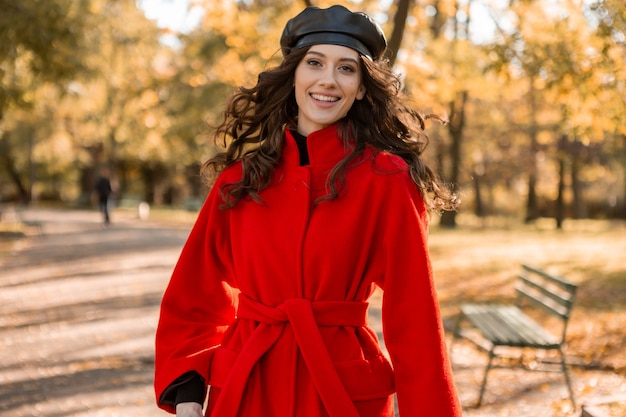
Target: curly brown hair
252,132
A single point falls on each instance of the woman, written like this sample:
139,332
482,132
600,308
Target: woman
321,197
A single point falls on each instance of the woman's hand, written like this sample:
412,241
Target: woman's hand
188,410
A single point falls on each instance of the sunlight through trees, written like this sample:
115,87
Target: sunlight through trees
534,93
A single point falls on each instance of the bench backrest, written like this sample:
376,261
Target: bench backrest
552,294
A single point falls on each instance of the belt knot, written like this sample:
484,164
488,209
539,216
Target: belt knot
304,317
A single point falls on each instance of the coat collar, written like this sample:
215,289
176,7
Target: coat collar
324,147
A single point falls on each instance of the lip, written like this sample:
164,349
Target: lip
316,97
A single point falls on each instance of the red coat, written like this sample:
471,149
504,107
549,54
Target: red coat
294,342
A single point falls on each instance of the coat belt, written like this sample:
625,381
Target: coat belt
305,317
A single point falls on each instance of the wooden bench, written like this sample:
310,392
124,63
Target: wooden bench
511,326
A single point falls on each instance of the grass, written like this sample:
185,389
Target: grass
479,264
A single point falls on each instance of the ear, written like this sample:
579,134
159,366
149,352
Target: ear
361,92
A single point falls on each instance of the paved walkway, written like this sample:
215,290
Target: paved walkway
78,310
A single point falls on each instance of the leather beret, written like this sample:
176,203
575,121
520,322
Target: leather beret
335,25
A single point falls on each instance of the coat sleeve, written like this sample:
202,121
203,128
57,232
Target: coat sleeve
412,325
199,302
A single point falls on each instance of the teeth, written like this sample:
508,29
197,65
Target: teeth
324,98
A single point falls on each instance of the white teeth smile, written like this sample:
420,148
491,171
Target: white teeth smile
324,98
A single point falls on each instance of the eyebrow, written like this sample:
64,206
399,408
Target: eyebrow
340,59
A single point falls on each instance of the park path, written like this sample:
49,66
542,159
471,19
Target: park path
78,309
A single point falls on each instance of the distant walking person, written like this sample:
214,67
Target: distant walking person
104,190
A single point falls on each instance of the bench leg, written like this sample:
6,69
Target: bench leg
567,378
456,333
457,326
484,384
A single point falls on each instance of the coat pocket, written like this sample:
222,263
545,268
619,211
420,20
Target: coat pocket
366,379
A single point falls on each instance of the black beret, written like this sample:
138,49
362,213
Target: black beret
336,26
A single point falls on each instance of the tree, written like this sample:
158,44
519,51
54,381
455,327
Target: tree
610,29
559,56
536,112
125,80
441,66
42,42
399,24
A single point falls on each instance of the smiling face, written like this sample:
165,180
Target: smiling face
327,81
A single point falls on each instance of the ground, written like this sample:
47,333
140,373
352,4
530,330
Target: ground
79,305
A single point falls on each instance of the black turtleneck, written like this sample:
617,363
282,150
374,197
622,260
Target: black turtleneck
302,149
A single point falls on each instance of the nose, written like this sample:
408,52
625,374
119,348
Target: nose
327,78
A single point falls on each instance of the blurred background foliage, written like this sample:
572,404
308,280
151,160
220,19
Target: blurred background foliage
534,92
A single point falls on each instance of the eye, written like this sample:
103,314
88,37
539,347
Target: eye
313,62
347,68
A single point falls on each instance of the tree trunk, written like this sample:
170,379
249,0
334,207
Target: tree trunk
399,23
437,21
623,209
619,210
455,128
532,212
32,166
578,200
479,206
560,198
9,165
457,118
